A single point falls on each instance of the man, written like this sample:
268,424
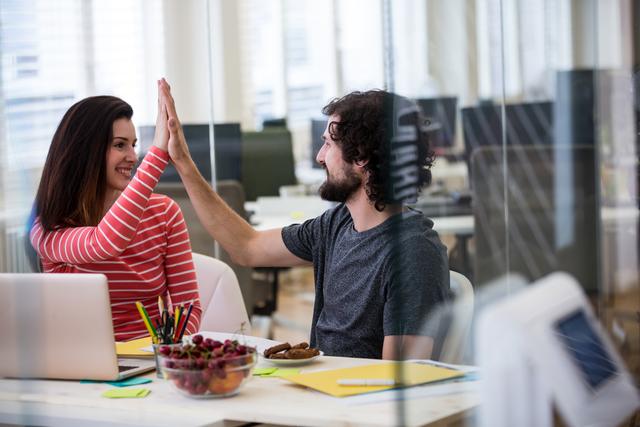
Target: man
379,267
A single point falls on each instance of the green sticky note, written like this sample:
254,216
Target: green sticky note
283,373
118,393
264,371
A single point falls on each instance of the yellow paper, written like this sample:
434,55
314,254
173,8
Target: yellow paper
133,348
413,374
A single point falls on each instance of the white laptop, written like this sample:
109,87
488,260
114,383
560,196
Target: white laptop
543,348
60,326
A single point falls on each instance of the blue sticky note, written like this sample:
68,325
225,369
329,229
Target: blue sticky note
130,381
122,383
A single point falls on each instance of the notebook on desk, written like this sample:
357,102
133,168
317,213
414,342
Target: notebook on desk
59,326
362,379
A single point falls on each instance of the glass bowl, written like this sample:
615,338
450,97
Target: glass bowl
206,377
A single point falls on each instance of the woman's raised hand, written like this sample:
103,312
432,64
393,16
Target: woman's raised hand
161,136
177,145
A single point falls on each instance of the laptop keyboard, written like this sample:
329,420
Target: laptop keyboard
123,368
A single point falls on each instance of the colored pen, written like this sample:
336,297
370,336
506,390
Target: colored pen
186,321
160,305
175,319
167,328
178,320
146,320
366,382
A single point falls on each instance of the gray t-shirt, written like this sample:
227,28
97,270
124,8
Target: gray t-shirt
383,281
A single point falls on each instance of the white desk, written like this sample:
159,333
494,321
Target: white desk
262,400
462,225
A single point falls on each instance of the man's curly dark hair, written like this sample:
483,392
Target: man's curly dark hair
387,131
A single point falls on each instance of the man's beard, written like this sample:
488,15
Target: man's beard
340,191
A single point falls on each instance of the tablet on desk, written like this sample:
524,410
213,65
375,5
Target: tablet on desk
60,326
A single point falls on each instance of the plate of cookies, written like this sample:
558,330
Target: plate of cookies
286,354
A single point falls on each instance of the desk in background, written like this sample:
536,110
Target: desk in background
262,400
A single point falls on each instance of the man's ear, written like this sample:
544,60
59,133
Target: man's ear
362,163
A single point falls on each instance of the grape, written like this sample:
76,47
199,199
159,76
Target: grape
207,366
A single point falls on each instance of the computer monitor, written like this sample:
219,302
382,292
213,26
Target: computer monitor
228,141
441,113
279,122
317,129
268,162
228,145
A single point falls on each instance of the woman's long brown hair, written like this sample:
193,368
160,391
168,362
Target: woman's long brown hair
73,184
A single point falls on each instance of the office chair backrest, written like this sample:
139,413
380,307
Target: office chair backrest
552,213
223,309
454,346
232,193
267,162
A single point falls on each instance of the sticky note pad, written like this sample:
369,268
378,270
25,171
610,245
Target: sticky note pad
119,393
264,371
297,214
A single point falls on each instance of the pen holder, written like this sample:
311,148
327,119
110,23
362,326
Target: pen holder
159,373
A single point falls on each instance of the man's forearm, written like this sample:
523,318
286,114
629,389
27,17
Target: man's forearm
220,221
396,347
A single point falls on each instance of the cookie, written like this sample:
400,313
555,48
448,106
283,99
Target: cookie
276,349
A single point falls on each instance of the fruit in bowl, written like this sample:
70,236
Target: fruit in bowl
206,368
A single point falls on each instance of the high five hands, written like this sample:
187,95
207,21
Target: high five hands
168,135
161,135
176,143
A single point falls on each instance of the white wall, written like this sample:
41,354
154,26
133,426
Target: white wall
185,36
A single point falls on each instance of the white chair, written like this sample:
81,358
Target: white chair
461,317
223,308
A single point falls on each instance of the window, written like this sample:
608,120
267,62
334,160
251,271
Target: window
53,54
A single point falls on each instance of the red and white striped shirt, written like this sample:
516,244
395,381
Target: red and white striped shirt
141,245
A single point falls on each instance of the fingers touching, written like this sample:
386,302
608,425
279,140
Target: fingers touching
161,136
176,145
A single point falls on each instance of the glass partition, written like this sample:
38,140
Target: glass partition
530,107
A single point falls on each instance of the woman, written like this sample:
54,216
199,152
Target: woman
93,217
